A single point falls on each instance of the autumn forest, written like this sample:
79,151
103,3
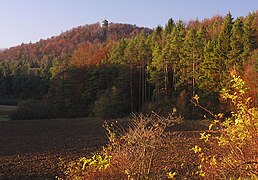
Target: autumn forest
112,70
117,101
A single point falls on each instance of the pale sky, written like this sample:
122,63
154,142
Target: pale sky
32,20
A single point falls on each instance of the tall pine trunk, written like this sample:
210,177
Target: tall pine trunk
131,88
166,79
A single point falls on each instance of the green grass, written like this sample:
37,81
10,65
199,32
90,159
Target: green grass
4,118
5,112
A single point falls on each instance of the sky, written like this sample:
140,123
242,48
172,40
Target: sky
24,21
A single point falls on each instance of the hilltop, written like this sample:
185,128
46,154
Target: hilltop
64,44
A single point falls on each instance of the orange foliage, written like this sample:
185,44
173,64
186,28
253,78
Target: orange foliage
66,43
213,26
89,54
195,24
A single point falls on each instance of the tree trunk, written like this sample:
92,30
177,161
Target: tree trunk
166,80
131,88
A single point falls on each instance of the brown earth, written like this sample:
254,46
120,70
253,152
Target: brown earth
32,149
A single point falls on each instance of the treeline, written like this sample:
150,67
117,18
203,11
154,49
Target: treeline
153,71
23,80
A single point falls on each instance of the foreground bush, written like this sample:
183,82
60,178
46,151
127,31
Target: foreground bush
233,154
139,152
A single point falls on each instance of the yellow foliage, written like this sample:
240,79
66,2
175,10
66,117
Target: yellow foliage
196,149
171,175
234,153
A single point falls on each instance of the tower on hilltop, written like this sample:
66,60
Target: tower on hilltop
104,23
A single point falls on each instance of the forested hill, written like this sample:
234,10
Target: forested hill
114,70
64,44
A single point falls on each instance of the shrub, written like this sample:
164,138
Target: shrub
134,153
233,153
111,104
32,109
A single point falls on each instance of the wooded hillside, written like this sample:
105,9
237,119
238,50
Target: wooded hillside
115,70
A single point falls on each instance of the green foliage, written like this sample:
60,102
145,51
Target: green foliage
22,80
207,80
102,105
32,109
111,105
223,45
117,53
6,112
249,34
169,26
237,44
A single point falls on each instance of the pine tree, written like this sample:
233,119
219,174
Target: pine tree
191,60
169,26
117,54
163,63
237,45
144,58
191,57
249,35
223,45
176,40
130,56
200,44
155,71
207,81
222,51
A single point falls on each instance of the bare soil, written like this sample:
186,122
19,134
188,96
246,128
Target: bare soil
32,149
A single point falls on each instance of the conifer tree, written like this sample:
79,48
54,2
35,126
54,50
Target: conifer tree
223,46
163,61
130,56
169,26
249,35
155,71
144,58
176,40
237,45
207,81
117,54
191,57
222,51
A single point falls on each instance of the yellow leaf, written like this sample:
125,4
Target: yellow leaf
171,175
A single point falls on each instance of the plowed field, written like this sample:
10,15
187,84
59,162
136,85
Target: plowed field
32,149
